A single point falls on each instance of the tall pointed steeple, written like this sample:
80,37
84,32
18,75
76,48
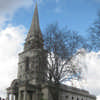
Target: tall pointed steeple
35,22
34,35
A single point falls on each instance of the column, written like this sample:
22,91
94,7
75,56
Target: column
38,96
25,95
28,96
12,96
19,95
34,96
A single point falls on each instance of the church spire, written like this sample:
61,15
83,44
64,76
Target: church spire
34,35
35,22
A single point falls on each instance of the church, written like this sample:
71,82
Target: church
30,83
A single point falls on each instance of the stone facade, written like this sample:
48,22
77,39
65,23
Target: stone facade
68,93
32,67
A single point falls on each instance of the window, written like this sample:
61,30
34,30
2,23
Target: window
72,98
27,63
66,97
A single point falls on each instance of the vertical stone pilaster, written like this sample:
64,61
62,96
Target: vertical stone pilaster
28,96
19,95
38,94
25,95
33,96
12,96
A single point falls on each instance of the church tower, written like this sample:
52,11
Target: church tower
32,61
32,66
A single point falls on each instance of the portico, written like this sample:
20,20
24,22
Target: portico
23,92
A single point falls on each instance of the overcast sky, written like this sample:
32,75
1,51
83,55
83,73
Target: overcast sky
15,20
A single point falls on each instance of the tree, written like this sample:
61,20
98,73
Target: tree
61,45
94,31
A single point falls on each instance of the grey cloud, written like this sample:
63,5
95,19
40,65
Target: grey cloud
9,7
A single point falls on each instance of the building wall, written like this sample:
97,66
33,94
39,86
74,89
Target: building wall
45,93
68,95
31,66
26,65
75,96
